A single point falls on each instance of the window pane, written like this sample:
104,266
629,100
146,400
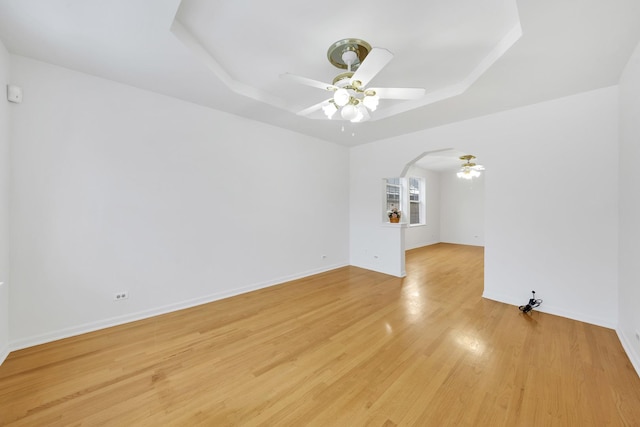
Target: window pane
414,214
393,193
414,189
416,201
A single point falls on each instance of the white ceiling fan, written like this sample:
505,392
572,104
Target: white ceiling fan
351,94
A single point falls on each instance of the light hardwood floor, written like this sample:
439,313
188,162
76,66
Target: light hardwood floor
345,348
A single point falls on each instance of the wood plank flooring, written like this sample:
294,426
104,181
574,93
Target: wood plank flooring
348,347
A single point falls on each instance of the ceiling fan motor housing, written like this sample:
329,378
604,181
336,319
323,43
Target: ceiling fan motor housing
348,50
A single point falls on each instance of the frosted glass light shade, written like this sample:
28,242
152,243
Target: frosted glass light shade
371,102
341,97
468,173
359,115
329,110
349,112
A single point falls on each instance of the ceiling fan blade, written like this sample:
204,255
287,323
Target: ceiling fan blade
375,61
399,92
309,82
313,108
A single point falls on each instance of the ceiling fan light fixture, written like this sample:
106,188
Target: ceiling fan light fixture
468,173
330,109
359,115
371,101
349,112
469,170
341,97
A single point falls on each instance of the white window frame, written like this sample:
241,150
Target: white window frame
421,202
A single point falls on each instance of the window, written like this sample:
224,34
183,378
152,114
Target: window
393,194
408,196
416,201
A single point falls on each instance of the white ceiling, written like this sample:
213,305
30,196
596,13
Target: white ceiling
473,58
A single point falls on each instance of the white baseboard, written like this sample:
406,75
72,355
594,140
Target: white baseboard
626,342
556,311
132,317
422,245
401,274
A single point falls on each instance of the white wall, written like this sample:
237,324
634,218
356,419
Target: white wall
422,235
118,189
629,287
462,209
4,205
550,219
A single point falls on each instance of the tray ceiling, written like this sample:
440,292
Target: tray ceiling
473,58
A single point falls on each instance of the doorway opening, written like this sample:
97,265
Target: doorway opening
454,207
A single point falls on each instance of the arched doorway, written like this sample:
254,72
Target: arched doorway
454,206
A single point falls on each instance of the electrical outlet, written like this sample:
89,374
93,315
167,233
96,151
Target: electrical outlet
121,295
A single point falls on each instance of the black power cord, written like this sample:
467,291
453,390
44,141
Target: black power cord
533,303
